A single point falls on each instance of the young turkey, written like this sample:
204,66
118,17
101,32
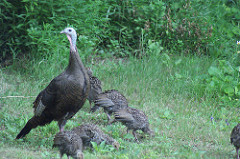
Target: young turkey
235,138
92,133
95,87
133,119
110,101
69,143
65,94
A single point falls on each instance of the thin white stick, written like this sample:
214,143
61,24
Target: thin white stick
18,97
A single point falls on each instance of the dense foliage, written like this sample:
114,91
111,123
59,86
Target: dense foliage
120,28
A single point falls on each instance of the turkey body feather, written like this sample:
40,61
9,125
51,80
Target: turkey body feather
92,133
69,143
111,101
95,87
133,119
235,138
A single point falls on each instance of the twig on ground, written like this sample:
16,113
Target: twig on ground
19,97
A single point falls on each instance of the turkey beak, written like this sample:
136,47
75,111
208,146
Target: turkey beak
62,32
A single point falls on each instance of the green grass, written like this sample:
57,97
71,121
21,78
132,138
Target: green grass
167,89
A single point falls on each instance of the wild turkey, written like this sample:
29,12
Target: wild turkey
110,101
65,94
92,133
69,143
235,138
95,87
133,119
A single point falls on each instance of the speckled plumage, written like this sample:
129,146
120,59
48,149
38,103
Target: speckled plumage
92,133
235,138
95,87
133,119
110,101
65,94
69,143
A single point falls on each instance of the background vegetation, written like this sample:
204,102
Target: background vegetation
120,28
176,60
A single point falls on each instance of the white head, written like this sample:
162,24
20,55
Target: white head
71,35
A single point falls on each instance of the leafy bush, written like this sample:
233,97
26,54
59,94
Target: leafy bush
222,81
134,23
201,27
31,26
13,28
119,28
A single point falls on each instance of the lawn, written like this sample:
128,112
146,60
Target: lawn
187,121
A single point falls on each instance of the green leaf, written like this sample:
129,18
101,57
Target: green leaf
214,71
166,56
166,113
236,90
128,136
95,146
212,83
229,90
178,76
178,61
228,79
102,145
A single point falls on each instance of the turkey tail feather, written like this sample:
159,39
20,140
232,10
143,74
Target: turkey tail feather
33,123
24,131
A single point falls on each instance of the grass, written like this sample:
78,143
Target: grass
166,89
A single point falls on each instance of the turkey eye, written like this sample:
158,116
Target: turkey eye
69,30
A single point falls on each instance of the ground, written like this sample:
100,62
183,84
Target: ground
186,121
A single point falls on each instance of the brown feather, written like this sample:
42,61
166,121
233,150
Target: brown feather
110,101
92,133
133,119
235,138
69,143
95,87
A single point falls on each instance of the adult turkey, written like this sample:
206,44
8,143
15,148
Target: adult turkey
65,94
235,138
133,119
110,101
95,87
92,133
69,143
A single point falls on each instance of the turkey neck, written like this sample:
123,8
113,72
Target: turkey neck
75,62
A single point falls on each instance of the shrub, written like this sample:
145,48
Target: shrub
119,28
222,82
13,29
200,27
